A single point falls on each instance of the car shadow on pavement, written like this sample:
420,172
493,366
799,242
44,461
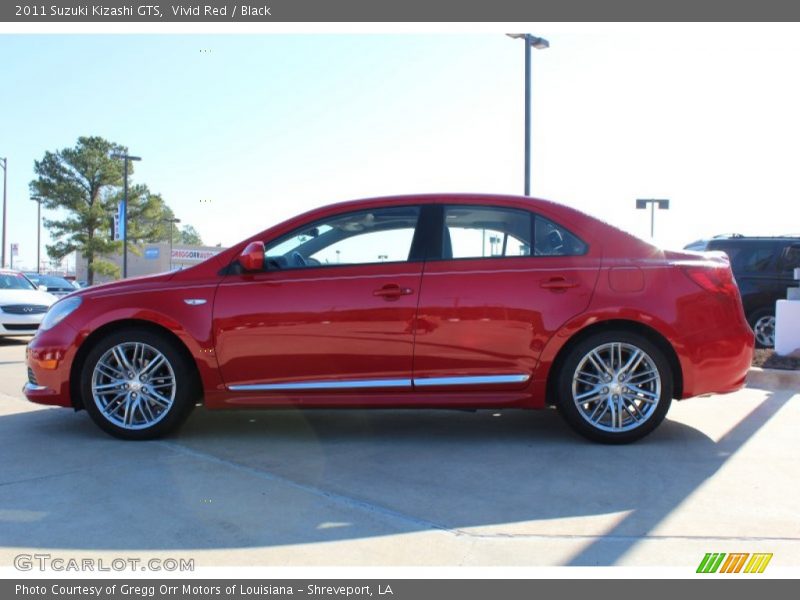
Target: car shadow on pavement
242,479
705,460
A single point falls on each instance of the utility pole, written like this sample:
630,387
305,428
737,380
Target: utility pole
531,41
662,205
127,158
38,201
4,163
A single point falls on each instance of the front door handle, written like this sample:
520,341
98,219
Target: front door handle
558,284
392,291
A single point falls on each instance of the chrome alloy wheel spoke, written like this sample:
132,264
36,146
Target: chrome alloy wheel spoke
616,387
133,385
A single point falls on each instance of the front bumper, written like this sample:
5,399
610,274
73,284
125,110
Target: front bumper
13,324
49,357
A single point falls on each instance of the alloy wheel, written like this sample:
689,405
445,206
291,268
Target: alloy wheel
764,328
133,385
616,387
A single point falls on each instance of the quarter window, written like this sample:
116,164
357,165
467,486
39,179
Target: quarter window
791,258
554,240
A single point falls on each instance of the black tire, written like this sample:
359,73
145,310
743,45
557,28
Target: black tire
650,400
166,416
762,322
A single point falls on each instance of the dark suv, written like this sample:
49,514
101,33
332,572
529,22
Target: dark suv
764,268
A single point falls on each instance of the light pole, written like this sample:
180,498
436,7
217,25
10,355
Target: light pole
662,205
127,158
531,41
171,222
4,162
38,200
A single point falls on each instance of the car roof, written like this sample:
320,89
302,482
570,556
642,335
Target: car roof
746,239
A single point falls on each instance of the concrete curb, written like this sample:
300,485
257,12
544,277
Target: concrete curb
783,379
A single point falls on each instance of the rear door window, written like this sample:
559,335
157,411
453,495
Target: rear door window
496,231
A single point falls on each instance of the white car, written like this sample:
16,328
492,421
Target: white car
22,305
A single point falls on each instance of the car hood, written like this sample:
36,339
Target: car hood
26,297
147,282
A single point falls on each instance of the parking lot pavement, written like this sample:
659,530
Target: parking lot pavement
393,487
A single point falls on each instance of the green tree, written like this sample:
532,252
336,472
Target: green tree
148,215
81,182
149,220
187,235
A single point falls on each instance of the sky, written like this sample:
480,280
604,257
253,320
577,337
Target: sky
241,131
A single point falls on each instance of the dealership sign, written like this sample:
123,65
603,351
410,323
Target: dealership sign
192,255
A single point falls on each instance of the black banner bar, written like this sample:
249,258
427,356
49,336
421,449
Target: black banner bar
110,11
394,589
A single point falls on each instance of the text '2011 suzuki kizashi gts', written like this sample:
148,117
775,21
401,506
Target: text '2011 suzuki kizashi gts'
439,301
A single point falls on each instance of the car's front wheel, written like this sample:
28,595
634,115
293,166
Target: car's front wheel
614,387
137,384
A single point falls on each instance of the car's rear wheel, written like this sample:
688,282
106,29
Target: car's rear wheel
763,324
137,384
614,387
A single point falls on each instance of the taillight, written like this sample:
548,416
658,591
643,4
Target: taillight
716,279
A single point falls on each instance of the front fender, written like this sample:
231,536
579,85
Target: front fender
165,309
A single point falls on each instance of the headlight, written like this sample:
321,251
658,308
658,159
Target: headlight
59,311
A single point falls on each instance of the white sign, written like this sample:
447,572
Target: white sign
14,249
192,255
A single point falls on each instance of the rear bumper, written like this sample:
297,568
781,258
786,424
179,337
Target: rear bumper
716,361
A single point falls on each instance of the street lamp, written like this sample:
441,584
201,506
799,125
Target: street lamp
662,205
494,241
38,200
4,163
171,222
127,158
531,41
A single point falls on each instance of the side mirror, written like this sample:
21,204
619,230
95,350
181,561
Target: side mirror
42,288
252,257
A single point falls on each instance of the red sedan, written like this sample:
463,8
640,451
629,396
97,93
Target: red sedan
447,301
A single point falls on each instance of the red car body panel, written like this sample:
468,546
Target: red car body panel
315,324
475,320
469,317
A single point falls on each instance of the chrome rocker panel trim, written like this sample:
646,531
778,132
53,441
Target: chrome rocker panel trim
379,383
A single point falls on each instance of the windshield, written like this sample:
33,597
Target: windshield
14,281
53,281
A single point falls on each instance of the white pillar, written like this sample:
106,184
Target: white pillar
787,322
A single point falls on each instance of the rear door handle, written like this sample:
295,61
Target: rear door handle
558,284
392,291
